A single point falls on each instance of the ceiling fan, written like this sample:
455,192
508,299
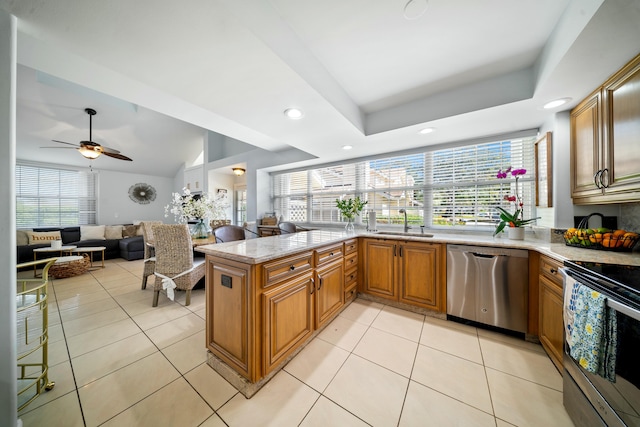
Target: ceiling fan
92,150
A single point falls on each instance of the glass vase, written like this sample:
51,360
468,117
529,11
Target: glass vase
349,227
200,230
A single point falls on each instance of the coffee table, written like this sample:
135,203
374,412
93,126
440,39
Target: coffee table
89,250
48,250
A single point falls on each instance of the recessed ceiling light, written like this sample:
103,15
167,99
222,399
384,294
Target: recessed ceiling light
556,103
293,113
426,131
347,147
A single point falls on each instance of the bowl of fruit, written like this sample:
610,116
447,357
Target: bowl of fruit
601,238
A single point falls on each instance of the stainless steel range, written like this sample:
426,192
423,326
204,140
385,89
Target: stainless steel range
591,399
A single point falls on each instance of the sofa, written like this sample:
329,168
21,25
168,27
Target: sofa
121,241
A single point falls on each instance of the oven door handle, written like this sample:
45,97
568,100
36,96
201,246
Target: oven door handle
631,312
624,309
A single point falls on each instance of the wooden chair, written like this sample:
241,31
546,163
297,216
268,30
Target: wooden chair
175,265
229,233
149,254
287,228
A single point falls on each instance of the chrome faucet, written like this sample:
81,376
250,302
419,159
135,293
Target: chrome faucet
406,224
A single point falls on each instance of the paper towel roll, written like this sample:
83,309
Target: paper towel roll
372,226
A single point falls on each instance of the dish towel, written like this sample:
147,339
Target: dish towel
594,333
570,294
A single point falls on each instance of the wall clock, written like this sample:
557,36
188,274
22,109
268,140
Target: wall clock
142,193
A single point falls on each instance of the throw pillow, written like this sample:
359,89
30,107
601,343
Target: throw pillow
112,232
36,237
139,230
22,237
92,232
129,231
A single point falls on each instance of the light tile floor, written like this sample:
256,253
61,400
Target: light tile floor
117,361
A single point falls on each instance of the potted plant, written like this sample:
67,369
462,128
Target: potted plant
515,220
350,208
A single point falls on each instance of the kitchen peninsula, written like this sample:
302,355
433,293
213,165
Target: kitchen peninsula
267,297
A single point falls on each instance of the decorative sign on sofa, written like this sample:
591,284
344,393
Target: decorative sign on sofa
142,193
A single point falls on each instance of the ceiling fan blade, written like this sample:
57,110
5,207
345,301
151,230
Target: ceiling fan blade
64,148
116,155
63,142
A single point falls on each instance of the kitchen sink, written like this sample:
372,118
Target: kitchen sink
402,233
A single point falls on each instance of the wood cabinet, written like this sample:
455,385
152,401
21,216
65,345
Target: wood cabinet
605,130
407,272
329,294
194,178
288,319
259,315
551,326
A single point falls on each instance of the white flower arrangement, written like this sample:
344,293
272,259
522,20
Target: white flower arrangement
185,207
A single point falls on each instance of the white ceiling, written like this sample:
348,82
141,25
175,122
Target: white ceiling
363,74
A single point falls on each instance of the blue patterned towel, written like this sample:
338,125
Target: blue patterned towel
570,295
594,333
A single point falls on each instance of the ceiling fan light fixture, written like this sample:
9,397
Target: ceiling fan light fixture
238,171
89,153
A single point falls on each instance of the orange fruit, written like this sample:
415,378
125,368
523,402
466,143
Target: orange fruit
629,239
606,240
619,233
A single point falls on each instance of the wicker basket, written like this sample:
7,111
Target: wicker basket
614,240
62,270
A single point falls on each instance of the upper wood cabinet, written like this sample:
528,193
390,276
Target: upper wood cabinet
605,131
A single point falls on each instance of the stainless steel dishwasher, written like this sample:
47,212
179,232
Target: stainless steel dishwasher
488,285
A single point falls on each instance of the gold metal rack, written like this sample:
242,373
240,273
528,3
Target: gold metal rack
32,334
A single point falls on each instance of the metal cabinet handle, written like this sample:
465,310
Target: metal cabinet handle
604,172
394,250
313,287
400,250
330,253
553,270
292,267
320,282
597,179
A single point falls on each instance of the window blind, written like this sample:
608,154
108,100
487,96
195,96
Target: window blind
447,187
49,197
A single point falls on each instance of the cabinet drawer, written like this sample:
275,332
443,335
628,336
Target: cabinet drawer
328,253
276,271
351,261
350,294
350,277
550,268
350,246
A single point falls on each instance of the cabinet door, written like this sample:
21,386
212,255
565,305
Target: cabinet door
380,268
586,156
228,315
621,99
551,323
421,275
329,295
288,319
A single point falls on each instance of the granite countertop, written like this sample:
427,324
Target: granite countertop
259,250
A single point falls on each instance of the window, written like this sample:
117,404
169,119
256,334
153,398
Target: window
447,187
48,197
241,205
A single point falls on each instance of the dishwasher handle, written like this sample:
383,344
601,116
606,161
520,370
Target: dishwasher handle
479,255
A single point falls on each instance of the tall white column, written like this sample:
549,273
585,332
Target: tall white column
8,369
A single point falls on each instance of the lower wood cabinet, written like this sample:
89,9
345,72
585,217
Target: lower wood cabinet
551,325
288,318
406,271
329,294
